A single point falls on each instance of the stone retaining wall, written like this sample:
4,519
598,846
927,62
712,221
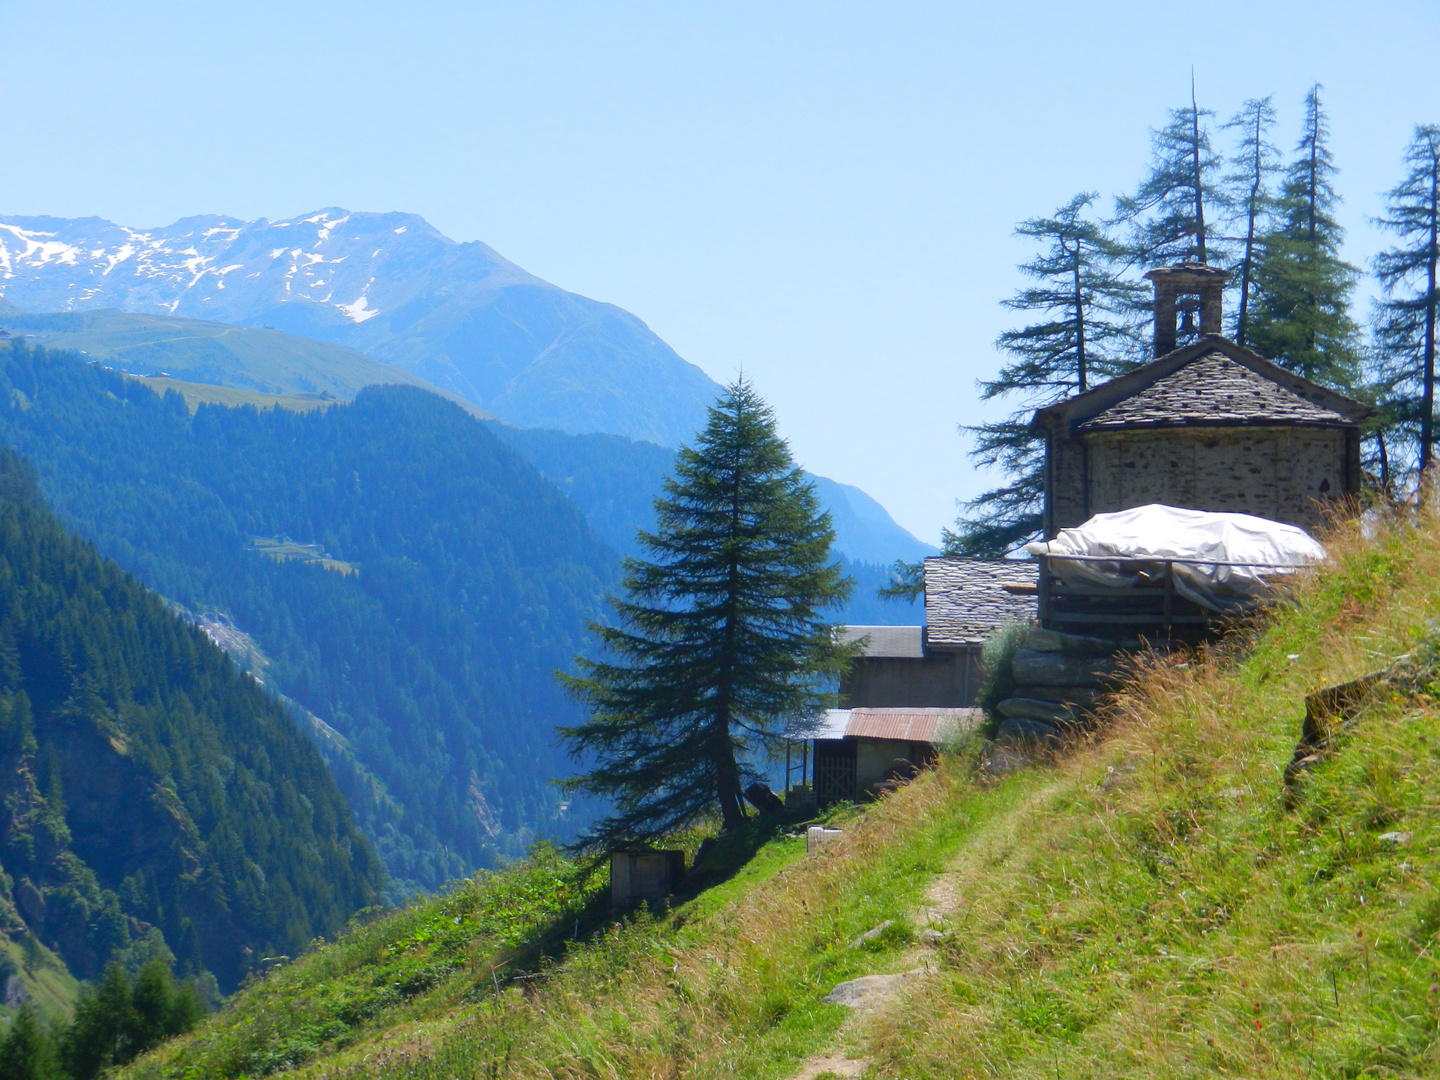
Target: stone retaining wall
1060,680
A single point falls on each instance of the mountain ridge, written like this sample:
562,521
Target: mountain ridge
390,285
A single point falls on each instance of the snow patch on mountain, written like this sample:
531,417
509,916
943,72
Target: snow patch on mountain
359,311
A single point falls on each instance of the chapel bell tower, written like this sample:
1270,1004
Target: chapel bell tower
1182,292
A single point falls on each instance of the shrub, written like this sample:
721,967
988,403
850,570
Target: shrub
996,655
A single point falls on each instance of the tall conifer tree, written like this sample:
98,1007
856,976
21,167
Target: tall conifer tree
720,644
1251,200
26,1050
1085,332
1301,316
1404,323
1173,214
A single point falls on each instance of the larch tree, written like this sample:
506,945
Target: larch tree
1173,215
1404,317
1085,330
1253,165
1301,313
720,647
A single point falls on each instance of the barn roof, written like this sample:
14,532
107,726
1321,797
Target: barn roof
903,724
887,642
1210,381
967,600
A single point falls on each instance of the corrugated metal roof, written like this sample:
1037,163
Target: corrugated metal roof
967,600
832,725
904,724
907,724
907,642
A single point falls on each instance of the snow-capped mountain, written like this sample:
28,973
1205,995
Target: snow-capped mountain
390,285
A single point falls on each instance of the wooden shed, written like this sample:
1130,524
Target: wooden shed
1207,425
858,750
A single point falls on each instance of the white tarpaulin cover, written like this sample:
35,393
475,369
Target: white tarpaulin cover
1208,541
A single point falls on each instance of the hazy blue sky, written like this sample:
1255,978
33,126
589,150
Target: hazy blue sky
823,193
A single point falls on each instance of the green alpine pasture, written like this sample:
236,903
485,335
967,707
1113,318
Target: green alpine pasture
1148,905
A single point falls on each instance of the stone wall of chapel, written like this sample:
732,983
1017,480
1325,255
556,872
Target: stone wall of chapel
1066,499
1281,473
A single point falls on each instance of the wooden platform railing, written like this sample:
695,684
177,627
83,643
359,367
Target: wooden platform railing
1152,609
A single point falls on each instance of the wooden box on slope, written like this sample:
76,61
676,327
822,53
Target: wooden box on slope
643,876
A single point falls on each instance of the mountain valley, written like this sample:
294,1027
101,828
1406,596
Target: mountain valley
156,798
427,674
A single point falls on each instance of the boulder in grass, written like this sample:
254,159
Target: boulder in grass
873,934
1026,732
869,991
1003,759
1032,667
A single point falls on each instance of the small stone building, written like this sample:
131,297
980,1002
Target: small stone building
1207,425
938,665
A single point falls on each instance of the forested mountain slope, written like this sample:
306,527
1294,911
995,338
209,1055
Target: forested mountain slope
389,285
194,350
614,481
444,580
146,783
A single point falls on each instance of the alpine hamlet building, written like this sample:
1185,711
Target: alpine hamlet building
1206,425
938,665
858,751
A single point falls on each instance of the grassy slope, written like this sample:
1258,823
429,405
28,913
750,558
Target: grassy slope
259,362
49,984
1184,922
196,394
1145,908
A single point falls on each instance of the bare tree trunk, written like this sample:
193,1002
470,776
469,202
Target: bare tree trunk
1252,211
1199,190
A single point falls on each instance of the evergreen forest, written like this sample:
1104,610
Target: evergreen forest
403,582
157,800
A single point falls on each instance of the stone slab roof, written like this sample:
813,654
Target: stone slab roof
967,600
905,642
1212,389
1253,390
